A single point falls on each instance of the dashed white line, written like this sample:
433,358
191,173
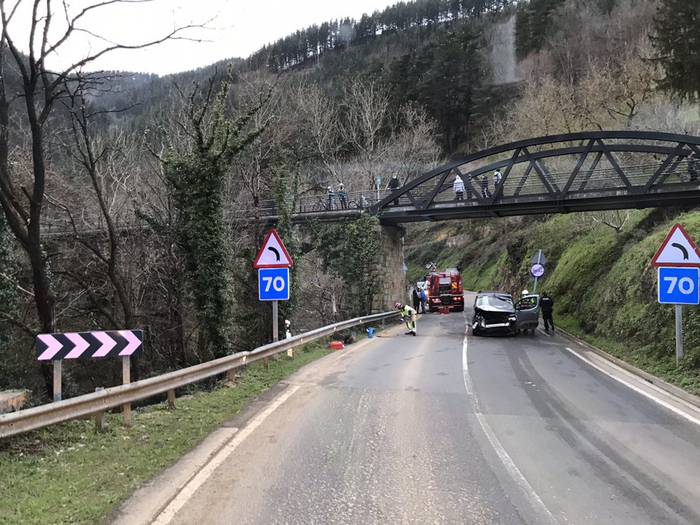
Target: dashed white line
501,452
203,475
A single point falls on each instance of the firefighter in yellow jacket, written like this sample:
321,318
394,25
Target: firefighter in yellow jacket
408,315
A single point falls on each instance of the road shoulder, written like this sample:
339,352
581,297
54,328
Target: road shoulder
149,501
669,396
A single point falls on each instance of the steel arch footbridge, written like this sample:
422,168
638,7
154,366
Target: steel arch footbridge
587,171
556,174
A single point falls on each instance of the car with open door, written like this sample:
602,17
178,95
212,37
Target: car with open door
527,312
494,312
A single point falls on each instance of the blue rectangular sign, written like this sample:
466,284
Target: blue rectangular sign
679,285
273,284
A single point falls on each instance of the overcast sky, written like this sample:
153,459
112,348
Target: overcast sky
236,28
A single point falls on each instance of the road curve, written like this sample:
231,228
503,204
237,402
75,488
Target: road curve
442,429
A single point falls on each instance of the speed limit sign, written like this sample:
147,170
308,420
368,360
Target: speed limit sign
679,285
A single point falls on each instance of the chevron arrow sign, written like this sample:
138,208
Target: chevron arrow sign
83,345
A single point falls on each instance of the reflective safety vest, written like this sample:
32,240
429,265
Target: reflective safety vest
407,311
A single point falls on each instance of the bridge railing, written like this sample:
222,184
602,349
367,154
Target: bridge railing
109,398
307,204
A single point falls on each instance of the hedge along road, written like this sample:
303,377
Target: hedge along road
453,429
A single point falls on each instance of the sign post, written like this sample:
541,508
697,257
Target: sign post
537,268
275,321
57,373
679,334
678,264
126,379
273,263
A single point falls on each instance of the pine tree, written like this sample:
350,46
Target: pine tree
677,42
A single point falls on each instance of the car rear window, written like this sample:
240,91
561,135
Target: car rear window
497,301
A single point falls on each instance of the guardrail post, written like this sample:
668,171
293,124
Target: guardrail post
99,416
171,399
126,376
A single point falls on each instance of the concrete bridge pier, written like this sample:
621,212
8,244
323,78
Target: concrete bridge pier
394,286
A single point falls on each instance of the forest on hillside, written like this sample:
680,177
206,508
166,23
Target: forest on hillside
122,193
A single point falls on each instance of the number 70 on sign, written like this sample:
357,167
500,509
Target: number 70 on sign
679,285
273,284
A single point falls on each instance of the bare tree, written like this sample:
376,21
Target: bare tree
614,219
109,163
323,125
40,89
364,125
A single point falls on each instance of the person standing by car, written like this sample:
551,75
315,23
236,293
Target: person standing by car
423,301
547,307
458,187
415,296
408,315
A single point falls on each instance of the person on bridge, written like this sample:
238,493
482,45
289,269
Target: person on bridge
393,186
331,198
485,193
693,167
497,178
547,307
342,196
409,316
458,187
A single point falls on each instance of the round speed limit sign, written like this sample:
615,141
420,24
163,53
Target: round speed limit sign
537,270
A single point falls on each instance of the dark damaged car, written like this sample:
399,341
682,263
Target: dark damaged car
494,312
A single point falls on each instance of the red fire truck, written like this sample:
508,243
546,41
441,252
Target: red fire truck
445,290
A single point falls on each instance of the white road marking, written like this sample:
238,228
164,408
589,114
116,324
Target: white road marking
203,475
645,393
501,452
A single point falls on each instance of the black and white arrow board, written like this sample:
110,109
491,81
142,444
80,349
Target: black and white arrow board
83,345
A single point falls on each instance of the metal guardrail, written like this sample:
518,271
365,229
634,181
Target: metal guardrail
113,397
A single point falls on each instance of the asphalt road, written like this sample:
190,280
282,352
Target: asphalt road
439,429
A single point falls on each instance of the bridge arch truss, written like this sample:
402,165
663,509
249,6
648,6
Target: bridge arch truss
556,174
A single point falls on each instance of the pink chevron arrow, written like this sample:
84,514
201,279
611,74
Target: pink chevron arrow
107,344
80,346
134,342
53,346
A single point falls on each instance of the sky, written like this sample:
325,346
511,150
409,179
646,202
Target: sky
234,28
